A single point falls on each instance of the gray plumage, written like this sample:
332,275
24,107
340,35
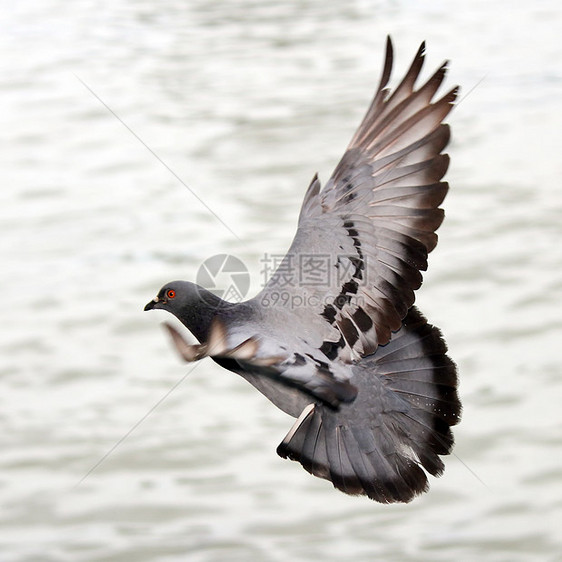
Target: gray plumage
366,376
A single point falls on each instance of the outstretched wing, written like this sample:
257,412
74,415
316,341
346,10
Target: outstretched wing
363,239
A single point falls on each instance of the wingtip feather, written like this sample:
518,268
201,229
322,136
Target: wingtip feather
388,61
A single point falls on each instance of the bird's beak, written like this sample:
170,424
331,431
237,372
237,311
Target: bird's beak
152,304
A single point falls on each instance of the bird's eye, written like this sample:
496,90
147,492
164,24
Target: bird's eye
170,293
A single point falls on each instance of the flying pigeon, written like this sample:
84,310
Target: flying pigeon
347,354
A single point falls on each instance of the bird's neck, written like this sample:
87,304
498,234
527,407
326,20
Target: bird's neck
198,316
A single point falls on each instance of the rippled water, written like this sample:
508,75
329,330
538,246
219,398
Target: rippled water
244,101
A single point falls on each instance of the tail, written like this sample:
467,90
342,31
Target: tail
398,425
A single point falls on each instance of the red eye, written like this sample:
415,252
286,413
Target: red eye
170,293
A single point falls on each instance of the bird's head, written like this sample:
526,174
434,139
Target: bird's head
176,297
191,304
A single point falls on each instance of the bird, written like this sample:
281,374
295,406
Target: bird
364,373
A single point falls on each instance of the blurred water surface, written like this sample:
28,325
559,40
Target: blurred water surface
244,101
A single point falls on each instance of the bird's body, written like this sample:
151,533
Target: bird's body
350,357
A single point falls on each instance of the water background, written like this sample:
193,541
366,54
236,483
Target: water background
244,101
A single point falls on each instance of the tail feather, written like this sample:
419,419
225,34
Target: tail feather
360,463
385,464
313,446
342,472
307,443
385,441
